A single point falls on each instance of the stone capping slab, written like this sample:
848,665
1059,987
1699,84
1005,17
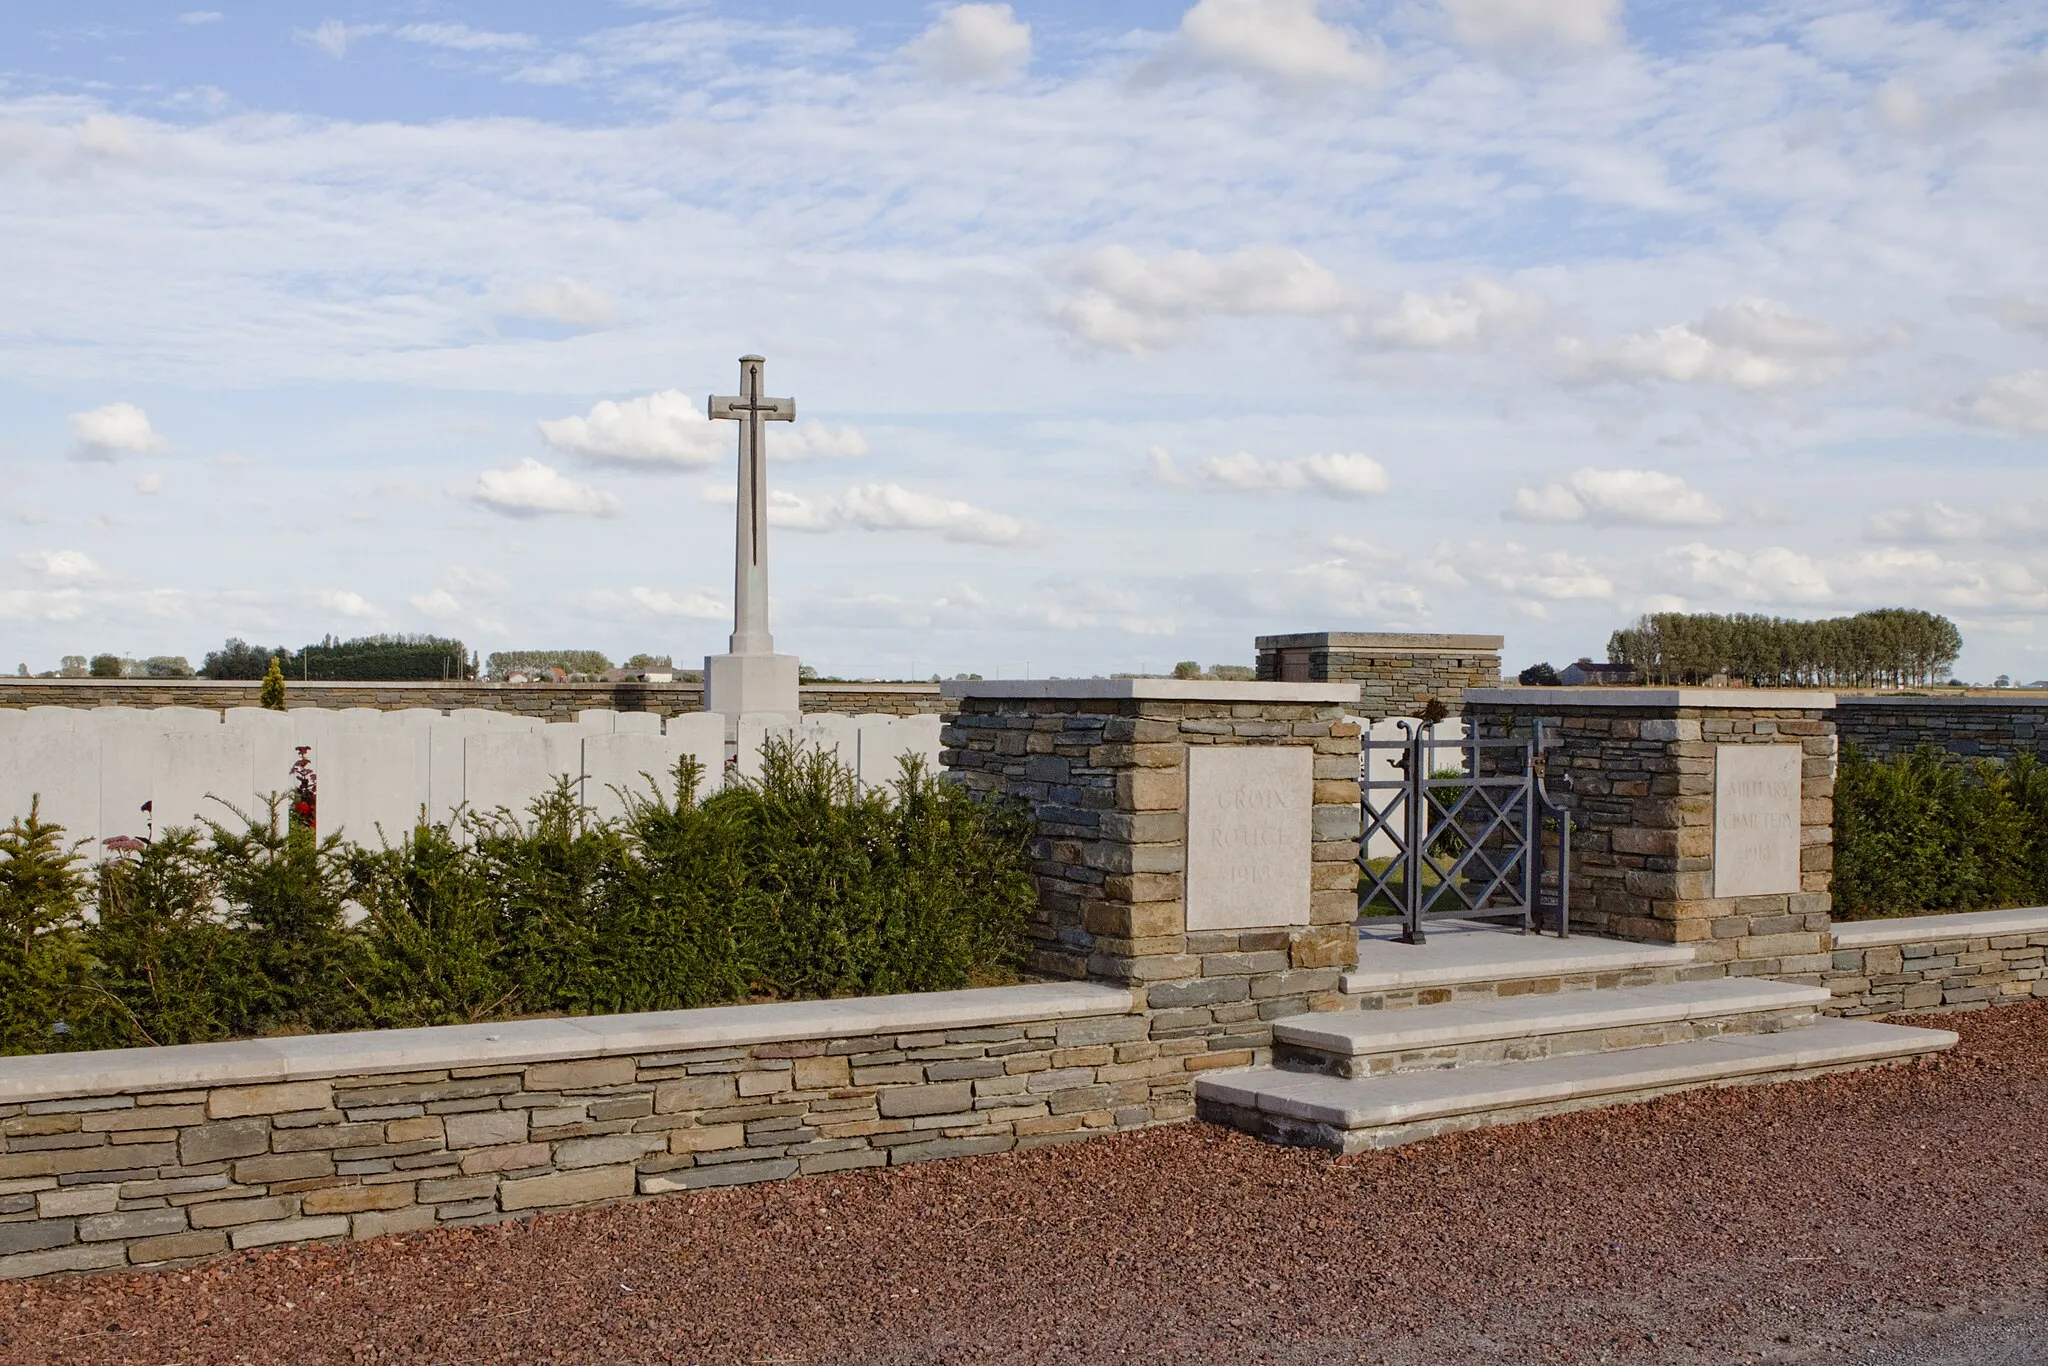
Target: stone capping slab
2019,702
1405,1097
1909,929
53,1076
1357,1033
1456,954
1152,689
1389,642
1774,699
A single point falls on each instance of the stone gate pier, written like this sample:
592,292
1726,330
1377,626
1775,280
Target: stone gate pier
1703,816
1197,840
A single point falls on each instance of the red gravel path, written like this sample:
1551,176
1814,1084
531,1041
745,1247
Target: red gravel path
1804,1222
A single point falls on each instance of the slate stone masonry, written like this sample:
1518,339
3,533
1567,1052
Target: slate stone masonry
131,1158
1103,766
1976,727
1396,673
1641,793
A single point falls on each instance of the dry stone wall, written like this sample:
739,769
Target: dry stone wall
1975,727
144,1157
1939,962
1396,674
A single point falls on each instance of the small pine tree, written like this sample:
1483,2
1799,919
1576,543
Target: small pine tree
272,696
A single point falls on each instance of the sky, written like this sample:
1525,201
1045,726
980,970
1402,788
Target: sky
1120,333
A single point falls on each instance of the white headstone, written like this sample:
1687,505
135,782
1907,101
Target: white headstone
1756,819
195,775
1250,830
637,723
369,787
63,767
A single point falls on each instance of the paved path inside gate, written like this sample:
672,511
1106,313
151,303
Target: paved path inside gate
1897,1216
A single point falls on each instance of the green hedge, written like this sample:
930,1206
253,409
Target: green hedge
801,885
1931,832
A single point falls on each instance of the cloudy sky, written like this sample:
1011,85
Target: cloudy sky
1120,332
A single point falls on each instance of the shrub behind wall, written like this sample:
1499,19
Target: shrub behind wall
1928,832
802,885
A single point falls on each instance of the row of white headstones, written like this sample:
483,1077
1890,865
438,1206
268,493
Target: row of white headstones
94,770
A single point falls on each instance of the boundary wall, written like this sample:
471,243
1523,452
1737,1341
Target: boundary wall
1976,726
95,769
1965,961
1396,674
542,701
141,1157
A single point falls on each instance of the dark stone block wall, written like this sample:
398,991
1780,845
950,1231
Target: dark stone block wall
1975,727
1396,674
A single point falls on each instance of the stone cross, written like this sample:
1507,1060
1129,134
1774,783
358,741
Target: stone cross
750,536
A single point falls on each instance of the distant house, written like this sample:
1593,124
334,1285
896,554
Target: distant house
1585,673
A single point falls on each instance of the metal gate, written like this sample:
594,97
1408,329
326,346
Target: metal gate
1464,821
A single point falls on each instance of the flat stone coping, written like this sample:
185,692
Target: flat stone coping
1461,951
1415,642
309,1057
2030,701
1151,689
1909,929
1359,1033
1777,699
1406,1097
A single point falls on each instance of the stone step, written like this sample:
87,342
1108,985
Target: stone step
1468,960
1356,1114
1513,1028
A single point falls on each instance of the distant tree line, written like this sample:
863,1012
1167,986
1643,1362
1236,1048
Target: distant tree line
366,659
542,663
1889,647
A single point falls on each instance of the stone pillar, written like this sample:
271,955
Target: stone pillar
1396,673
1197,841
1702,816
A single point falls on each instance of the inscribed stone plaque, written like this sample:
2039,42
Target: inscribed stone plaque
1756,819
1251,815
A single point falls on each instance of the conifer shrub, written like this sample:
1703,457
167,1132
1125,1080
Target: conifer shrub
800,885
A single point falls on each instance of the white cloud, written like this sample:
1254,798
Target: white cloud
1551,576
886,507
1938,522
333,37
1343,475
1751,344
1542,25
531,489
798,440
1130,303
662,603
63,604
463,38
790,511
108,432
985,43
1285,43
1771,575
1470,315
476,580
1624,497
150,484
2017,313
348,604
2013,403
567,301
440,604
664,430
62,566
891,507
